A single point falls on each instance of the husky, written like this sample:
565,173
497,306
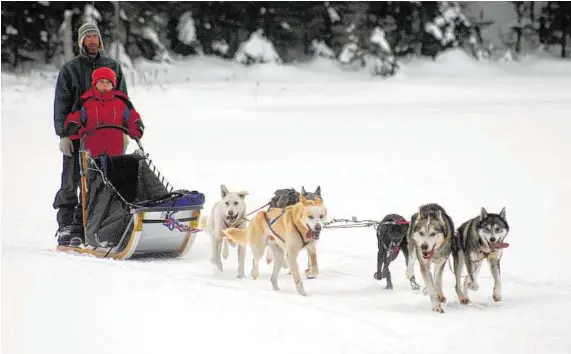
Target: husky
284,198
429,239
391,239
287,231
477,239
228,212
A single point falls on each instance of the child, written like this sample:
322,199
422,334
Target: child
100,105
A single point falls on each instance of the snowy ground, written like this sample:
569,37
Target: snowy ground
493,138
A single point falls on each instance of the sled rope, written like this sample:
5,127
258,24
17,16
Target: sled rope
156,171
353,223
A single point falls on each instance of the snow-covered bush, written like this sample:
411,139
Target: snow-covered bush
320,49
116,50
257,49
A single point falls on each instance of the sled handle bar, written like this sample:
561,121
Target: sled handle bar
112,126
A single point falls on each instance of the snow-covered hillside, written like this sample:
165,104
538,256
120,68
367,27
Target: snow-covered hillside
488,136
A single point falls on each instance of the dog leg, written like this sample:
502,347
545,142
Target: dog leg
225,249
459,260
381,257
294,267
257,253
470,270
496,274
387,274
216,250
241,260
279,257
473,284
429,281
410,262
413,284
438,272
313,270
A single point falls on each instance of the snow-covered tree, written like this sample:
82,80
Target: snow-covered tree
257,49
66,36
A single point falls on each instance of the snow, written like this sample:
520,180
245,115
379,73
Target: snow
257,49
378,37
186,29
487,135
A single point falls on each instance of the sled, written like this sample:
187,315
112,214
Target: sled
130,211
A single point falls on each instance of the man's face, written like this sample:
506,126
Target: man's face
91,43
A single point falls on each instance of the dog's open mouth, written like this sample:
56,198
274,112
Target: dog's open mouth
428,254
498,245
231,218
395,249
315,234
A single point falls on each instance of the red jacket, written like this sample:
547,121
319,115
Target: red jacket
96,108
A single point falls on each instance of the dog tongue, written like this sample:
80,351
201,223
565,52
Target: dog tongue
428,255
396,249
499,245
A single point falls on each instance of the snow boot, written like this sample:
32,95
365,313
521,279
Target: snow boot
64,236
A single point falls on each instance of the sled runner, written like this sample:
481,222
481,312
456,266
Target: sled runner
130,211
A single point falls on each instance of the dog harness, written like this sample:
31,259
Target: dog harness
271,222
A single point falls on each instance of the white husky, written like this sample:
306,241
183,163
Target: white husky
228,212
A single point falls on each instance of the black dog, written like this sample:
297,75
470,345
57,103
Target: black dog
391,237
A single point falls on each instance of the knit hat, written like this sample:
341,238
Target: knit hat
104,73
85,30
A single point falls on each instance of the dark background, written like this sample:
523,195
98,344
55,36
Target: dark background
31,31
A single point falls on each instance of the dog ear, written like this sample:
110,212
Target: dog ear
503,213
483,214
303,192
242,194
439,216
224,191
318,191
419,213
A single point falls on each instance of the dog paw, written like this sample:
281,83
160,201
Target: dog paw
254,274
309,274
497,297
438,309
441,298
464,301
389,286
473,286
414,286
378,275
424,291
240,275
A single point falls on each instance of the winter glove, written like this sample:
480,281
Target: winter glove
66,146
137,133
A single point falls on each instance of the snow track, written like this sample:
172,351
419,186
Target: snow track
375,148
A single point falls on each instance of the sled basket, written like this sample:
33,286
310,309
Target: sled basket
130,212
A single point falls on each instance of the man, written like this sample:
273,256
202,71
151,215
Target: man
73,80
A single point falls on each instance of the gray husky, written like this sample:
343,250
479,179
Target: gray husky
429,240
479,238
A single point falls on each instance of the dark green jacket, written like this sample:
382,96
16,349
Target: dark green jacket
74,79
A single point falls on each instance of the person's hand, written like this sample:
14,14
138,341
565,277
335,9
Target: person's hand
66,146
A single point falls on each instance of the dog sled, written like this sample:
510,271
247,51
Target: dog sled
130,211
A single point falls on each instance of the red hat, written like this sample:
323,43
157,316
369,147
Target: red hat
104,73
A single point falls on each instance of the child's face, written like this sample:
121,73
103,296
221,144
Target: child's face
104,85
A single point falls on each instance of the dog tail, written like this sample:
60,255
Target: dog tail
239,236
203,222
